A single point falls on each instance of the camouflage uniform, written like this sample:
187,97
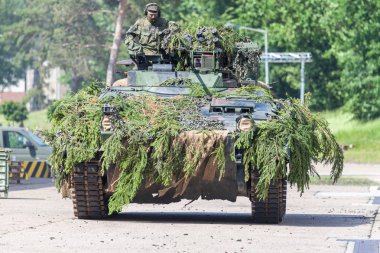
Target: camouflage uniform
143,36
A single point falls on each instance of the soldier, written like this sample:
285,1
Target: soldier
144,35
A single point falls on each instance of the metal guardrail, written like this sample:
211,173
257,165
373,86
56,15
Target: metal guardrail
287,57
290,57
4,171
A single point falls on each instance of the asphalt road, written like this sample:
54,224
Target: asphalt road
325,219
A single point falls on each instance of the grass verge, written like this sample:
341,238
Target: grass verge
36,120
364,136
354,181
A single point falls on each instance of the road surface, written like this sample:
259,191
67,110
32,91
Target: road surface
337,219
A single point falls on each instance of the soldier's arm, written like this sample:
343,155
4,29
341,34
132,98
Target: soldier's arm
132,39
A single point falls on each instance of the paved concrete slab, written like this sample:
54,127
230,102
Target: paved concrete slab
371,171
38,220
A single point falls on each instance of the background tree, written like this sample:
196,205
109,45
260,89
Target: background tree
77,42
116,41
358,53
70,34
77,36
295,26
12,67
14,112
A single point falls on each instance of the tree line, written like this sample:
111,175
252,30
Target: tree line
77,35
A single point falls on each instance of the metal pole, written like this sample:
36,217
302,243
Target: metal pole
302,95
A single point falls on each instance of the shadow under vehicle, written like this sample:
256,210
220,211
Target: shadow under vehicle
91,189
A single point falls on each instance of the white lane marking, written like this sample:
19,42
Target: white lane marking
361,246
350,247
371,193
343,194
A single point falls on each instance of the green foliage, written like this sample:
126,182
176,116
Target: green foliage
133,167
240,57
295,26
220,155
76,35
197,90
340,35
363,136
14,112
75,134
77,40
146,139
309,139
70,34
186,37
51,109
36,96
36,120
359,56
342,39
365,103
250,91
296,136
205,12
11,67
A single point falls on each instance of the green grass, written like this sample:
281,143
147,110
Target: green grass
36,120
325,180
365,136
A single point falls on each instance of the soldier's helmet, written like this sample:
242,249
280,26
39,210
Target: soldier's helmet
152,7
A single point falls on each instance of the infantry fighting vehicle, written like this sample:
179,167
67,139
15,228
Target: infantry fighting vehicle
91,189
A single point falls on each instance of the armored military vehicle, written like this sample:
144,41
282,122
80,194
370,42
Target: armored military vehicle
233,114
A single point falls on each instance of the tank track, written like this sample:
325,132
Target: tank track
273,209
284,192
87,191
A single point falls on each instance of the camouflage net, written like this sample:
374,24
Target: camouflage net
246,60
153,139
242,55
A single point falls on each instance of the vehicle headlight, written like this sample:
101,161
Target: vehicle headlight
245,124
108,116
107,123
